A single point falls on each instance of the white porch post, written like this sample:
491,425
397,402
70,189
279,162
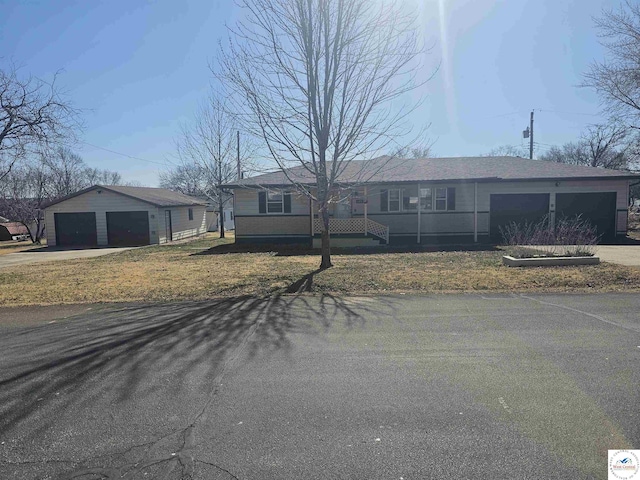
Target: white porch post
311,215
475,212
419,219
366,205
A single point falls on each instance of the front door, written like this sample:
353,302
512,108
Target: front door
343,208
167,225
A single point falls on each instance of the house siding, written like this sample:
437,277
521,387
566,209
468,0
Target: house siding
250,223
457,223
100,203
181,226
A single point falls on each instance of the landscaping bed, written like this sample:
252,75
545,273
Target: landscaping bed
210,268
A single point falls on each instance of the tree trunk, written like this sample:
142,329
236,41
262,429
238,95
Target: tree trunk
326,245
221,218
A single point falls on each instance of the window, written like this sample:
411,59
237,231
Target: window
274,202
409,202
426,199
394,200
191,214
231,213
441,198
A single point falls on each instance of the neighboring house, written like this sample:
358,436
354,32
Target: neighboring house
119,216
12,231
433,200
212,213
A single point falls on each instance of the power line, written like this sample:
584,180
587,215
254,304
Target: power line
568,113
125,155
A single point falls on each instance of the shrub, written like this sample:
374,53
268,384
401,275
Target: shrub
571,236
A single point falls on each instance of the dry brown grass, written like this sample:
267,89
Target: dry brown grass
11,246
198,270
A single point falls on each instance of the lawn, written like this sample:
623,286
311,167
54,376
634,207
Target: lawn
11,246
211,267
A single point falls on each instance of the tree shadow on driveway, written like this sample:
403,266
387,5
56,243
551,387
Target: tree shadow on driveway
125,352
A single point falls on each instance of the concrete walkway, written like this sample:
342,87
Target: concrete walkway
621,254
46,255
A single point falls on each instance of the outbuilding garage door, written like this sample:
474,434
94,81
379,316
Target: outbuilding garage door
598,208
128,228
516,207
76,229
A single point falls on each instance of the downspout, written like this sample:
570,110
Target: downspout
475,212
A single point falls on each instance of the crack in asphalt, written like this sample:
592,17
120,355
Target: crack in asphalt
180,456
588,314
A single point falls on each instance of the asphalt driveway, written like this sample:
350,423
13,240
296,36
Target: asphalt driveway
50,254
403,387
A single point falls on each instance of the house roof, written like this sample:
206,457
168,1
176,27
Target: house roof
15,228
160,197
398,170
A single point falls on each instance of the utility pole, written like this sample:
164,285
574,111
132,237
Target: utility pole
531,137
238,153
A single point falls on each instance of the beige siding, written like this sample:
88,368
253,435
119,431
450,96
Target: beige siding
100,203
181,226
246,203
272,225
575,186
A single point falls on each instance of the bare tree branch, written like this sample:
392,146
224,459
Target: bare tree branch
33,115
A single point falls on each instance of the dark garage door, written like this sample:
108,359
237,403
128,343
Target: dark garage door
76,229
516,207
128,228
598,208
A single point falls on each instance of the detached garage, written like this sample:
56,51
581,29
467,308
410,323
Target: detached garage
123,216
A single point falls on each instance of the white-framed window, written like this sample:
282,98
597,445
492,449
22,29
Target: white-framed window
275,202
441,198
394,200
409,201
426,198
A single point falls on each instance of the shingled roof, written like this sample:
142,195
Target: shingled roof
160,197
398,170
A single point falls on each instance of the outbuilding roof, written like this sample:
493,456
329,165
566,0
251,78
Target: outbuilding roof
15,228
398,170
160,197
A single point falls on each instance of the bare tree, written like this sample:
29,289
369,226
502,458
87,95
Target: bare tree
603,145
208,153
317,80
508,151
187,178
423,150
617,78
23,192
33,114
96,176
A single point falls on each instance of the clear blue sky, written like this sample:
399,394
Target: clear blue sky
139,68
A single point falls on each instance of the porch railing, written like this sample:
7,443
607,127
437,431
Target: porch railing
353,225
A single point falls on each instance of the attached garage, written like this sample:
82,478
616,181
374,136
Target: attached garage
76,229
516,207
598,208
123,216
128,229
